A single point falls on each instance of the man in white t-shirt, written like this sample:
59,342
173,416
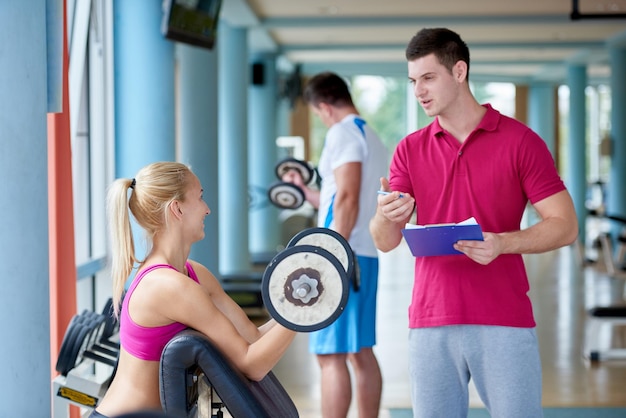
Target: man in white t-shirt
351,164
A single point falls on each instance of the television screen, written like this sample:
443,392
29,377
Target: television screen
191,21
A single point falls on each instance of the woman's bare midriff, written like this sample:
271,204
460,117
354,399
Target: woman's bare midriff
135,387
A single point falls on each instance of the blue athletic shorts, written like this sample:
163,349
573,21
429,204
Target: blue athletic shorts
356,326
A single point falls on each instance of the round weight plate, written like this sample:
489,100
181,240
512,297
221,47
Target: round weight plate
64,361
286,195
305,170
331,241
80,344
100,326
98,329
356,275
305,263
86,337
111,323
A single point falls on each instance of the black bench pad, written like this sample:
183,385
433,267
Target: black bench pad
608,311
190,350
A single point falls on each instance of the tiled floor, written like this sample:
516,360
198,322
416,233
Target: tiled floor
561,290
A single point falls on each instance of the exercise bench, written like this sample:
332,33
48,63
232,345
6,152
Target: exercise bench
606,317
613,259
190,359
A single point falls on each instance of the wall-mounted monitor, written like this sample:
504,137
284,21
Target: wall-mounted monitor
191,21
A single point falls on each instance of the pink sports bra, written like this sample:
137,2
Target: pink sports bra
147,343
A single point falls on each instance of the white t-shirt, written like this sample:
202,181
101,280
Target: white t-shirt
352,140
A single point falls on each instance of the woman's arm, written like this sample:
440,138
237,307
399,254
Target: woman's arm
226,304
183,300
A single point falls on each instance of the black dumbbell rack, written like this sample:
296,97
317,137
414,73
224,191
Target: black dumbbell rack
87,360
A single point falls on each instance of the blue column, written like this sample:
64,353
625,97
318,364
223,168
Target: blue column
232,147
144,91
577,169
197,133
262,158
616,193
25,297
283,114
144,87
541,113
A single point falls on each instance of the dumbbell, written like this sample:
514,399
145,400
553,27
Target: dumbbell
306,286
83,338
111,326
306,171
65,362
81,333
287,195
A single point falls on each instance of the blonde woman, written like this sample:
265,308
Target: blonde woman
170,292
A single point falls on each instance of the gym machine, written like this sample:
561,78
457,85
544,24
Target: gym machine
604,318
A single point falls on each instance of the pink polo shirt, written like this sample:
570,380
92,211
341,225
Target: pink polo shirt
492,176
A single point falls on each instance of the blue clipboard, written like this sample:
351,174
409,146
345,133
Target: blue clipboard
439,239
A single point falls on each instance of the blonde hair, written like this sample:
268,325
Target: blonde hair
154,188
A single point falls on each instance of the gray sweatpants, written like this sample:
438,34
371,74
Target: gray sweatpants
503,362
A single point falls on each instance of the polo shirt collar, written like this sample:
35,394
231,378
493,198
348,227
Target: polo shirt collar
489,122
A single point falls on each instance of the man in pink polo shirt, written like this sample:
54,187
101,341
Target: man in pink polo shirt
470,315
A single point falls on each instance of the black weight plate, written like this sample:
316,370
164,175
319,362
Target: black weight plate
79,346
356,275
111,324
64,362
100,325
93,327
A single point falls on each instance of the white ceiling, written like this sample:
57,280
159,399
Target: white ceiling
509,40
